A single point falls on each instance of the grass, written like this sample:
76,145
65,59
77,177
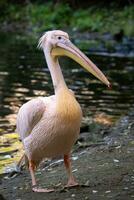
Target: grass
41,17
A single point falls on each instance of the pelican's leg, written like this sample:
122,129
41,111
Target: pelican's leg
71,179
32,168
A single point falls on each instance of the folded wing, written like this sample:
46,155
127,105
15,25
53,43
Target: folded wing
29,115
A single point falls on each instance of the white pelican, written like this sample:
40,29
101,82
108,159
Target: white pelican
49,126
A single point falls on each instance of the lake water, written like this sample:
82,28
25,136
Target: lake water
24,75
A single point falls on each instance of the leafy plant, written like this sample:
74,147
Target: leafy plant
41,17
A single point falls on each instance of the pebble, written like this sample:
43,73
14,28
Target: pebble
49,169
108,191
75,158
87,183
118,147
75,170
6,177
125,188
57,185
116,161
73,195
7,156
94,191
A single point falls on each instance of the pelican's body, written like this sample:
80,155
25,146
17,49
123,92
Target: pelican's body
49,126
56,126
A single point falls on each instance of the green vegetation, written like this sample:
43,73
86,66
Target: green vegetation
41,17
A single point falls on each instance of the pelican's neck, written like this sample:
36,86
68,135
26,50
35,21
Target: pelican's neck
56,73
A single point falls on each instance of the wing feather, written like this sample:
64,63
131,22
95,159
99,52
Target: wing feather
29,115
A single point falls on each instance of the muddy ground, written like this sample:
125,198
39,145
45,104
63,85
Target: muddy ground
105,170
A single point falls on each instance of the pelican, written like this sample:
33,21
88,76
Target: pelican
49,126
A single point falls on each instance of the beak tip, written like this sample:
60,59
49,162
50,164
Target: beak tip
110,86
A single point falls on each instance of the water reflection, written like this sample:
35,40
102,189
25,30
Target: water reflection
24,75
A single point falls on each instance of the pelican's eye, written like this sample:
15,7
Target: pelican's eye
59,37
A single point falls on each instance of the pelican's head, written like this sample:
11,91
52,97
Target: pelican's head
57,43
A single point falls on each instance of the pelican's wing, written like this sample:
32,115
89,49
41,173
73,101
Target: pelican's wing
29,115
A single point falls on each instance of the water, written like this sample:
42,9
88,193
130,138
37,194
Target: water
24,75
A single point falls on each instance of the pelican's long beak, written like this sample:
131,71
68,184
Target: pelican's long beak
70,50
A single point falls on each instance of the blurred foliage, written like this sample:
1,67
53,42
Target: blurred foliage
55,15
104,20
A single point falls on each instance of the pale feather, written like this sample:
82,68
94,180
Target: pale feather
30,114
57,129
